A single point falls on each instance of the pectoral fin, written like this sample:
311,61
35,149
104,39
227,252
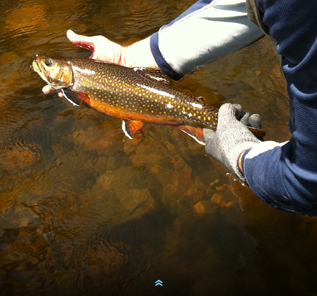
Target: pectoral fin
130,127
194,132
76,98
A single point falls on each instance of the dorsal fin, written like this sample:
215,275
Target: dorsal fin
152,74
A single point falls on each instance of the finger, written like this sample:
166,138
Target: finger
81,40
255,121
208,134
227,114
238,107
212,147
239,111
47,89
245,118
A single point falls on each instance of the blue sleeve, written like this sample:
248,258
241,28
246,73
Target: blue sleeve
207,31
286,176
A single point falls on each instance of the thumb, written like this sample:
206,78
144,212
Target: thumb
255,121
81,40
227,115
212,147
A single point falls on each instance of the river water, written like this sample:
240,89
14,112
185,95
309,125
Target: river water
86,211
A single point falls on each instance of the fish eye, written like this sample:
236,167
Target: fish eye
49,63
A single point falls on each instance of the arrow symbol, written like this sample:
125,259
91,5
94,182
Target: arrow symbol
158,283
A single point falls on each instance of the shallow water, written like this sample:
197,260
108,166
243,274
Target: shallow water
86,211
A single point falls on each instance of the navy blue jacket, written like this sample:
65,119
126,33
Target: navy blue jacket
283,175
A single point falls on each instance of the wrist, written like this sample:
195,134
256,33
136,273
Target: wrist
139,54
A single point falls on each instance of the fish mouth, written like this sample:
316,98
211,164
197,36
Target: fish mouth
36,66
39,69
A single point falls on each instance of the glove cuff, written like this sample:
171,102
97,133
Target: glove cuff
232,158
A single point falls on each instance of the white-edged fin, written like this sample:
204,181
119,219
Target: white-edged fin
124,128
68,99
196,139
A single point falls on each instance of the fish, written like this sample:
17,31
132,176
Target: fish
136,95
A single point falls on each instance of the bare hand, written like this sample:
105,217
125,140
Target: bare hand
137,55
102,50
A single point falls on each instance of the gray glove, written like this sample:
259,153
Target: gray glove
232,137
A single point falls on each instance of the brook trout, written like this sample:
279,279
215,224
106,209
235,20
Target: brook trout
135,95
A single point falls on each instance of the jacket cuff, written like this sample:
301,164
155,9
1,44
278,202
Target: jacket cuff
160,61
243,160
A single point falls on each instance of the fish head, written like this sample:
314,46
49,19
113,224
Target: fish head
56,72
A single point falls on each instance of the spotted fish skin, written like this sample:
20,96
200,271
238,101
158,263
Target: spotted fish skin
131,94
124,93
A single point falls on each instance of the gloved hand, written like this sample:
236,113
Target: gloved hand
232,137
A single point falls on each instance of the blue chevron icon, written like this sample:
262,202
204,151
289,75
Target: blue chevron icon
158,283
